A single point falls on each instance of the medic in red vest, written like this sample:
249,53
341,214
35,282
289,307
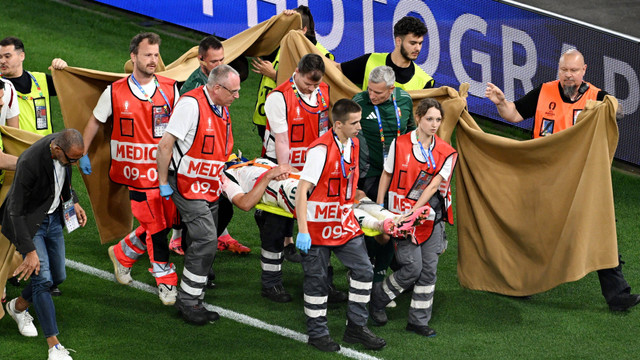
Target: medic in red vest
422,166
198,174
304,101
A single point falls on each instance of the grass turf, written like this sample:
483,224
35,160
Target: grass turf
103,320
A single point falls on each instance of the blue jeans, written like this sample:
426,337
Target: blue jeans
49,243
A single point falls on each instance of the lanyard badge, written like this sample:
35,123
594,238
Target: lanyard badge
70,216
385,151
167,107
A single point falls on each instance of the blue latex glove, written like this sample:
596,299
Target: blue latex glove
303,242
85,164
166,191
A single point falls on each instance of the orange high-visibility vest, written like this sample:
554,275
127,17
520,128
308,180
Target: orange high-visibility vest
553,114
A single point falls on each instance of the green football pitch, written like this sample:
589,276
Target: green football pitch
101,319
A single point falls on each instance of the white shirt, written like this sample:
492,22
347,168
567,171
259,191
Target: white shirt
10,99
59,173
103,108
244,178
445,172
276,110
316,158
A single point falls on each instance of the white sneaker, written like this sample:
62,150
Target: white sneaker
23,319
123,274
59,352
167,294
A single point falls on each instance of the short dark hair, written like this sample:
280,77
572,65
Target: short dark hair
342,108
307,21
11,40
69,138
209,42
152,38
313,65
409,25
425,104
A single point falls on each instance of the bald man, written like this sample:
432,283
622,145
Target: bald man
555,105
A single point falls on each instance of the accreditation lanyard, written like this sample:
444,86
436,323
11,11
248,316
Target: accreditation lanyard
341,147
167,107
428,155
28,98
295,92
385,152
228,123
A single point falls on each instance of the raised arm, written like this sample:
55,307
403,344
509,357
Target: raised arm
506,108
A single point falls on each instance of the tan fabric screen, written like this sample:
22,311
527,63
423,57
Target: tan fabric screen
538,213
79,90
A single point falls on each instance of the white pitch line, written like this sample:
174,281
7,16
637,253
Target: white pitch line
235,316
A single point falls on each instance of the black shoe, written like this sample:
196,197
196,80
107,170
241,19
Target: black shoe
421,330
55,291
211,315
195,314
336,296
291,254
625,302
362,335
324,343
378,317
276,293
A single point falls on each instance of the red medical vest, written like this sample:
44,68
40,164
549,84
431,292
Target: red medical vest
330,216
138,126
411,177
199,168
304,122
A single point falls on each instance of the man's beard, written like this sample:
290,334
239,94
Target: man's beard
569,90
405,54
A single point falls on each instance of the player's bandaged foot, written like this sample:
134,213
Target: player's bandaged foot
175,245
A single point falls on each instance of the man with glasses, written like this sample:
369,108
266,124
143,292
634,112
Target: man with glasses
140,104
191,157
37,206
210,55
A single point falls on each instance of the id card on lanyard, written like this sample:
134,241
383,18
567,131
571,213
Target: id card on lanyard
70,216
419,185
40,108
160,120
323,122
349,192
